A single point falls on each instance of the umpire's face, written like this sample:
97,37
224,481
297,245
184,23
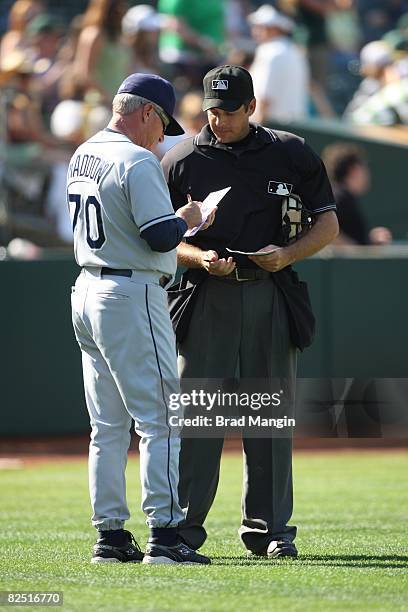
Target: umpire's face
231,126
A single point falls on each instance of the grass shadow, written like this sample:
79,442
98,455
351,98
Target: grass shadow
381,561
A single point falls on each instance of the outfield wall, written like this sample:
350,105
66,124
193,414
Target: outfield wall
360,300
387,156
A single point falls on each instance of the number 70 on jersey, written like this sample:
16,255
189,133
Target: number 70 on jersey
89,207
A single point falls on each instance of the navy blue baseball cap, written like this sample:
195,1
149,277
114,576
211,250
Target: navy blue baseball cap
156,90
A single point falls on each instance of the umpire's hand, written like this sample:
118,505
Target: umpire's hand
215,266
277,260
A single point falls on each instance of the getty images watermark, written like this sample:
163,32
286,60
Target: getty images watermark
282,407
203,410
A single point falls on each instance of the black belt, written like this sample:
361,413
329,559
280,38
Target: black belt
163,280
247,274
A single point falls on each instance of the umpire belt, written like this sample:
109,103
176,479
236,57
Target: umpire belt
246,274
142,276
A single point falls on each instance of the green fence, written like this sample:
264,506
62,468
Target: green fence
360,304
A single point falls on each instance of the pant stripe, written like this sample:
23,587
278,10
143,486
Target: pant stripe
165,403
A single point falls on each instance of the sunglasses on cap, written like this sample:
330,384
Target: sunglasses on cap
162,115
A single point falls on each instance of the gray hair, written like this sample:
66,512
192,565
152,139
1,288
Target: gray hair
126,103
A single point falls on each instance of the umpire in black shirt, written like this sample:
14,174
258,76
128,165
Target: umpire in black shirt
249,314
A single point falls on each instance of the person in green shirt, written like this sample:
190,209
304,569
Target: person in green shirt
193,33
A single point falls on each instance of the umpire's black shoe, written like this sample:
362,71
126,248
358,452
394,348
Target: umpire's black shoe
281,548
277,549
128,553
181,553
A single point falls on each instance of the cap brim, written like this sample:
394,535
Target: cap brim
227,105
174,128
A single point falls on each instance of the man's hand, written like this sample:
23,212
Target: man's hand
191,213
209,221
215,266
380,236
324,231
278,259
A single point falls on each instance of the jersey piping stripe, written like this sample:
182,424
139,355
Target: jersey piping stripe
156,220
322,208
165,403
271,134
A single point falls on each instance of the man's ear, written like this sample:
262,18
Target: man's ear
147,111
252,107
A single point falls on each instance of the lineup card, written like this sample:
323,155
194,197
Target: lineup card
253,252
209,204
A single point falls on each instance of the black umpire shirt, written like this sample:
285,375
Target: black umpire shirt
261,169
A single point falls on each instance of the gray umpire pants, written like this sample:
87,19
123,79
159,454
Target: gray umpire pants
129,365
239,327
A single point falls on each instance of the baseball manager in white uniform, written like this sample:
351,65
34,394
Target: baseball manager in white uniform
125,234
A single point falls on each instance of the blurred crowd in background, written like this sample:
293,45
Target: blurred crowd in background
61,64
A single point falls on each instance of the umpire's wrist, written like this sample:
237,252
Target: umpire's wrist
290,255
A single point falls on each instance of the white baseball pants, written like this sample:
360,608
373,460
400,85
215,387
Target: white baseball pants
128,349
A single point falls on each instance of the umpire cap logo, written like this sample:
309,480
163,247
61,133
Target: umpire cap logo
219,84
280,188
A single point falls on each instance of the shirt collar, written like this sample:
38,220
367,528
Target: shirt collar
259,137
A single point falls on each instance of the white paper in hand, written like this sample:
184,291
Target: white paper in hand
254,252
209,204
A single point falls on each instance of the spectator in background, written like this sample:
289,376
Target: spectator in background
375,63
45,37
401,62
377,17
102,60
279,71
349,174
313,15
23,117
388,107
190,44
235,19
382,98
141,27
69,87
30,158
21,13
398,43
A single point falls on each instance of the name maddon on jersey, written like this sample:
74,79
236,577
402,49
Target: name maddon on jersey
88,166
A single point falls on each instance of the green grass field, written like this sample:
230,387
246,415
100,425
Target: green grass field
351,510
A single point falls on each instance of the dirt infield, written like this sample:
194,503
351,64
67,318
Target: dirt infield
65,447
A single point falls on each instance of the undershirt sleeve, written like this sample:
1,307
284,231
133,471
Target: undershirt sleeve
165,236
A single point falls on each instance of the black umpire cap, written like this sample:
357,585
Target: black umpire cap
227,87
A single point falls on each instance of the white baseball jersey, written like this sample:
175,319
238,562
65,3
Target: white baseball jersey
115,190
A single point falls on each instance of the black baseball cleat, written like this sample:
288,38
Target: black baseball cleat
181,553
129,553
276,549
281,548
